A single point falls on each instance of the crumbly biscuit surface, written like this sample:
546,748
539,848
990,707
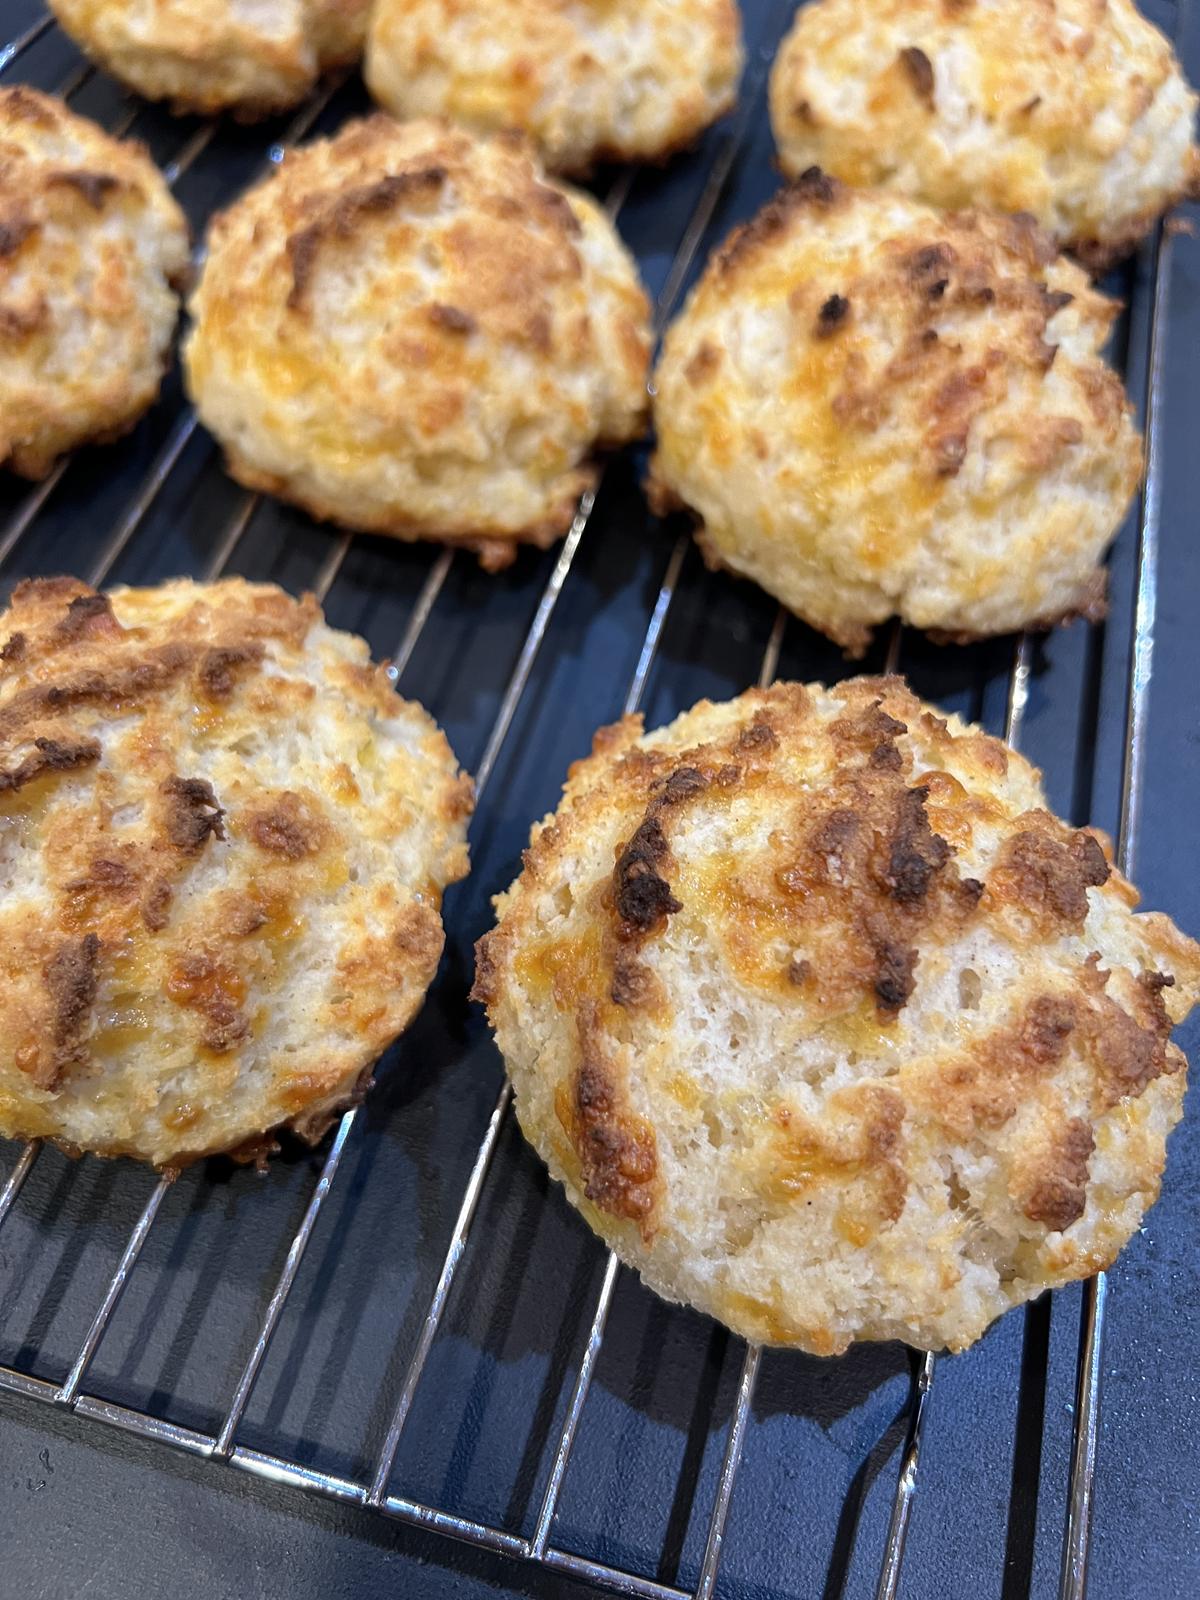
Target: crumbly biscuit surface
223,843
1075,111
214,55
412,331
828,1027
91,248
589,80
874,409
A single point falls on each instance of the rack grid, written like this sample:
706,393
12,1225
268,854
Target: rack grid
19,534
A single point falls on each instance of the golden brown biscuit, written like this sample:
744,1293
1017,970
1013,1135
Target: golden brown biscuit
412,331
828,1027
1075,111
92,248
873,408
605,80
217,55
223,844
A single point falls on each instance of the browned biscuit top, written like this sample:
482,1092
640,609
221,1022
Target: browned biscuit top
223,841
412,330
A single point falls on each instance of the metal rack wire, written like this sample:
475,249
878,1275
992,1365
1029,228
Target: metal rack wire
373,1492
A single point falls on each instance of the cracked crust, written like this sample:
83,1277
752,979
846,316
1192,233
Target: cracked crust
942,440
1074,111
828,1027
92,250
208,56
631,80
442,341
223,843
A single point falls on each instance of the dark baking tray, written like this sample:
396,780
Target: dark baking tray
824,1440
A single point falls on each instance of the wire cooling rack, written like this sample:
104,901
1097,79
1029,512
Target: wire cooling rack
507,664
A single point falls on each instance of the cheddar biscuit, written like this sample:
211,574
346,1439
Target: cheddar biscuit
872,408
92,250
412,331
828,1027
1075,111
606,80
223,843
218,55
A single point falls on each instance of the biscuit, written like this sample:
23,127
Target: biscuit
874,409
216,55
410,330
223,844
92,247
630,80
1075,111
828,1027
